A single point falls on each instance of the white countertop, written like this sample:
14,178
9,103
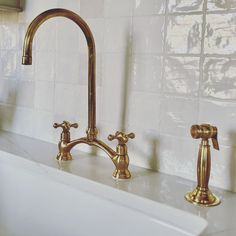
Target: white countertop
155,186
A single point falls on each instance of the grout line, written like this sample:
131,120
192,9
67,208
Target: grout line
163,63
55,72
129,57
213,99
207,55
216,12
202,58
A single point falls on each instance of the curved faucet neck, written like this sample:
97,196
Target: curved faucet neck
27,57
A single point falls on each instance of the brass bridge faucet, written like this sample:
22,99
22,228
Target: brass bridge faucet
201,195
119,157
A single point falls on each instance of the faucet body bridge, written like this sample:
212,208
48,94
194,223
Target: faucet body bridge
119,157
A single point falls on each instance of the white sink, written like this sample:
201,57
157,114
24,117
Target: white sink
34,201
38,200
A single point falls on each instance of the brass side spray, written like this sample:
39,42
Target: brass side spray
201,195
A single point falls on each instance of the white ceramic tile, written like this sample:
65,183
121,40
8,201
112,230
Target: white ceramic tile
184,34
25,72
98,104
97,27
216,5
222,115
144,148
181,75
149,7
8,36
219,78
223,167
4,90
70,101
114,8
220,33
22,28
7,115
68,35
43,125
92,8
25,94
83,69
44,95
67,67
114,79
104,129
144,110
185,5
46,36
8,61
178,155
82,103
146,73
148,34
65,94
76,109
33,8
117,35
44,66
70,5
178,115
8,91
83,46
22,120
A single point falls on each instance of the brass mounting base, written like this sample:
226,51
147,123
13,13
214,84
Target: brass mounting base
124,174
203,197
64,156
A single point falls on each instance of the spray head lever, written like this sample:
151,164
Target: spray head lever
206,131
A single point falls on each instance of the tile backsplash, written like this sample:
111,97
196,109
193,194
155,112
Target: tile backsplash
162,65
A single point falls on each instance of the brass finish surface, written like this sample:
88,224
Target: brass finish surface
121,160
119,157
201,195
65,138
27,56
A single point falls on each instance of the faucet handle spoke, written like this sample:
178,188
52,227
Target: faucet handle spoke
65,125
122,137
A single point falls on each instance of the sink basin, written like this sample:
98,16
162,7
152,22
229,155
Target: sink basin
37,199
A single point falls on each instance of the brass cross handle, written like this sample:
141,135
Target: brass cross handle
206,131
121,137
65,125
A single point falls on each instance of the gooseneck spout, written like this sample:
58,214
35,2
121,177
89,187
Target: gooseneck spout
27,57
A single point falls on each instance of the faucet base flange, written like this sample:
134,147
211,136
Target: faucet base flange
203,197
64,156
124,174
